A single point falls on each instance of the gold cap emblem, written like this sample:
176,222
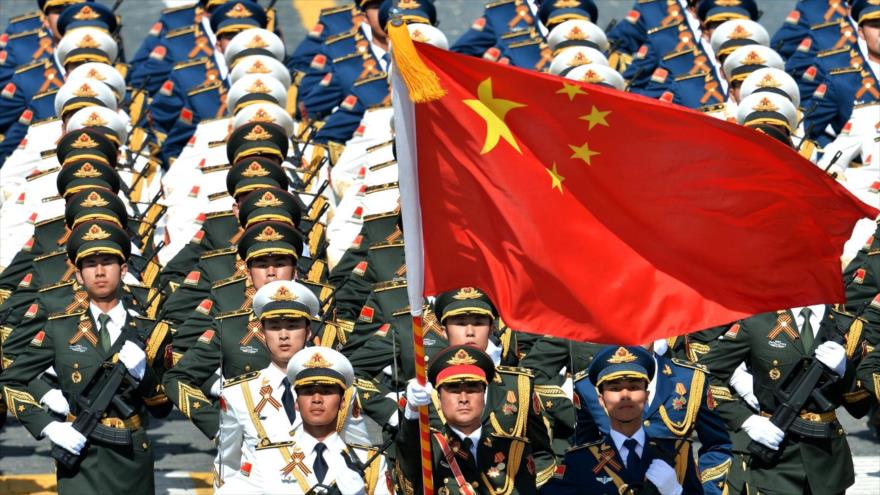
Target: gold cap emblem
87,171
87,42
258,68
269,235
95,233
622,355
739,33
593,77
86,14
258,134
94,200
94,120
467,293
317,361
768,81
262,115
85,91
268,199
576,33
461,358
257,42
258,87
753,58
255,170
239,12
84,141
95,74
283,294
765,105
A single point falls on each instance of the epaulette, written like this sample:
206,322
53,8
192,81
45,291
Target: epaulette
44,121
382,187
171,10
382,76
56,285
145,319
241,378
219,252
216,168
514,370
661,28
339,37
24,17
516,34
377,216
833,51
190,63
691,365
216,144
380,166
58,316
674,54
520,44
367,385
219,214
844,70
401,312
25,34
685,77
492,5
822,25
43,173
57,252
379,146
335,10
48,153
389,284
711,108
48,92
49,220
386,244
347,57
217,195
580,375
585,445
230,314
32,65
181,31
201,88
229,280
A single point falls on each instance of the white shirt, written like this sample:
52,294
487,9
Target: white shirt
818,312
117,320
219,58
533,7
618,439
474,436
652,385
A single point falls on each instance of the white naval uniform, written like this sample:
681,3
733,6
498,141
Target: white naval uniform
243,430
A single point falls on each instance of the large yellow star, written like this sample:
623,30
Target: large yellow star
571,90
493,111
556,178
583,152
596,117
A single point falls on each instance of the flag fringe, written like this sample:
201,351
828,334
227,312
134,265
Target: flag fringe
422,83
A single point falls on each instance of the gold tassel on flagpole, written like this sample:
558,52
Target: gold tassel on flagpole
422,83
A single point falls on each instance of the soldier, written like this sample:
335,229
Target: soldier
311,454
467,456
679,405
626,459
77,345
771,345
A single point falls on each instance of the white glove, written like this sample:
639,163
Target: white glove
761,430
55,401
349,482
661,346
832,355
65,436
742,381
51,371
663,477
134,359
416,395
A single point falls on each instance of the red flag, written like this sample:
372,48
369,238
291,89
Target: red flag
596,215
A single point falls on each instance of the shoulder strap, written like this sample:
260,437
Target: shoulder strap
463,485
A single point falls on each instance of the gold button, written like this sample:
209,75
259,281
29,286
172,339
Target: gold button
145,445
75,365
445,481
775,362
475,484
840,431
247,367
104,415
647,423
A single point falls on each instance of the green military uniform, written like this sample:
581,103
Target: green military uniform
71,343
505,460
771,346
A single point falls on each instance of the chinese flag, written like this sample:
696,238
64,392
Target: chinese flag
602,216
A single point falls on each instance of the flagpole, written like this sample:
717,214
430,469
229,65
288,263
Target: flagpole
412,82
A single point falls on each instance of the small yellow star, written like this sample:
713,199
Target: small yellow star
197,405
571,90
556,178
493,111
596,117
583,152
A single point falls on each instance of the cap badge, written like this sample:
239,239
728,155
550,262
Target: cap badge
255,170
765,105
258,134
467,293
283,294
95,74
258,87
268,235
86,14
87,42
257,42
85,91
739,33
268,199
317,361
94,200
768,81
84,141
592,77
461,358
95,233
94,120
87,171
238,12
576,33
258,68
622,355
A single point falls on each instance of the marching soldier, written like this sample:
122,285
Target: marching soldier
77,345
626,459
467,456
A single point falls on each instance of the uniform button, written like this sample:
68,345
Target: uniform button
145,445
247,367
840,431
475,484
647,423
775,362
445,481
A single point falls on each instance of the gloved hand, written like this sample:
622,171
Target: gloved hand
55,401
215,389
350,482
761,430
134,358
661,346
832,355
416,395
744,385
663,477
65,436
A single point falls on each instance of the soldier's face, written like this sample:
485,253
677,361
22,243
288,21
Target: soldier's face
469,329
223,41
462,403
624,399
101,275
319,404
870,32
284,337
52,21
372,12
269,268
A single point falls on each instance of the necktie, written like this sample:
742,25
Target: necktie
467,445
807,330
320,465
287,400
632,457
103,332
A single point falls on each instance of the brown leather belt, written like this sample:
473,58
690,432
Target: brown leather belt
132,423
